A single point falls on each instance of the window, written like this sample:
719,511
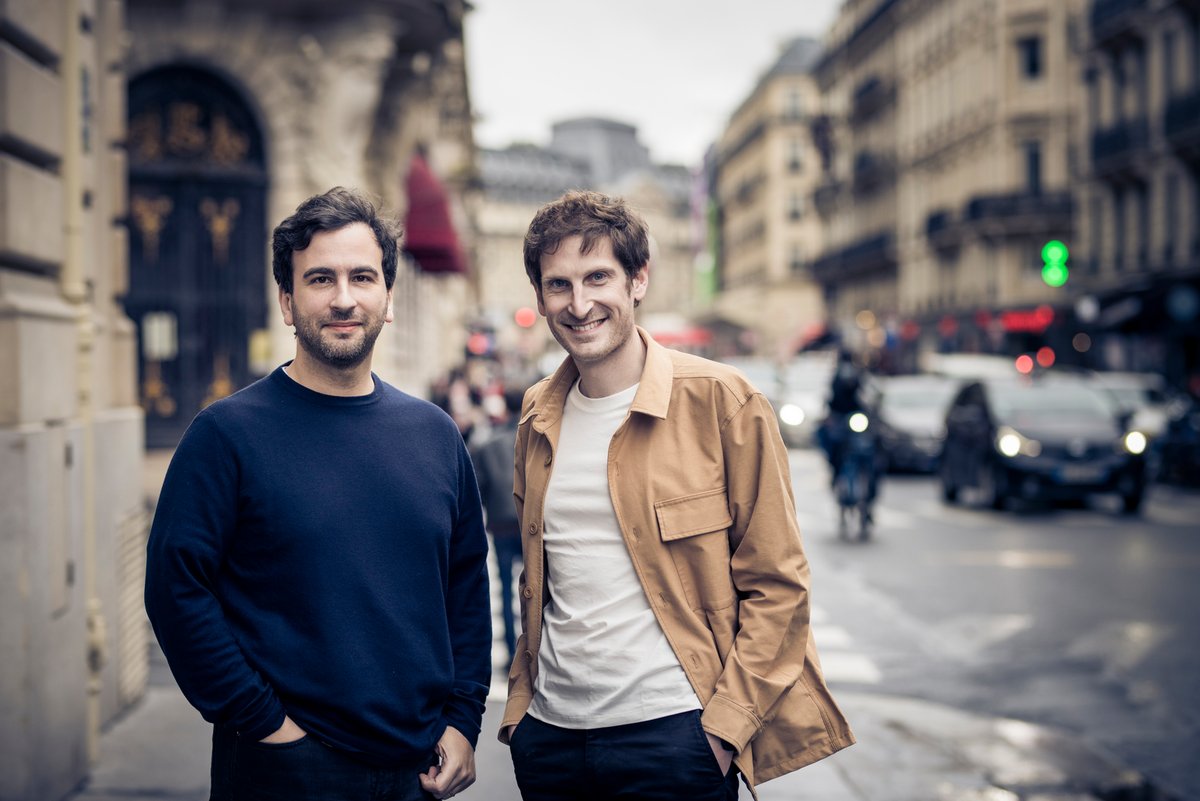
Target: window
1168,63
795,206
1096,227
1143,222
1033,168
1119,230
796,261
1029,50
794,162
793,104
1172,218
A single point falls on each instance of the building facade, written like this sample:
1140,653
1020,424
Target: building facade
146,150
953,161
765,169
72,632
239,111
1138,275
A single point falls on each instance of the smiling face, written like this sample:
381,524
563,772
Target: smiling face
587,300
339,301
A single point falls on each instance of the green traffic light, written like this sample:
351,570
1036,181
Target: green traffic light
1054,252
1054,274
1054,269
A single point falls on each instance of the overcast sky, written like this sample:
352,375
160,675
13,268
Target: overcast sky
675,69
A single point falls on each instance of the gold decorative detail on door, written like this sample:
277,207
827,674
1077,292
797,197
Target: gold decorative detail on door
184,132
219,218
149,215
156,397
229,145
221,385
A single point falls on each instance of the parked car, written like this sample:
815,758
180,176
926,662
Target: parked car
910,413
1040,440
1144,396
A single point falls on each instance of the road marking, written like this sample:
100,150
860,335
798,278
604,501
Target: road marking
1014,559
849,668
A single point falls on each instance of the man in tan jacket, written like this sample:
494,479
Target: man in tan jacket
665,603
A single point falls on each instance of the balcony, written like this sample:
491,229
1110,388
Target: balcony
1019,214
826,195
870,97
1181,124
872,255
1116,151
942,231
872,172
1115,22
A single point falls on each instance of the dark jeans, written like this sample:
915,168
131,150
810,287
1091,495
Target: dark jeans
305,770
657,760
507,541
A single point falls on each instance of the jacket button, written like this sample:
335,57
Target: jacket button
532,529
528,656
527,592
549,459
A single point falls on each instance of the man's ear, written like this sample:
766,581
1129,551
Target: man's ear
541,307
641,282
389,315
285,306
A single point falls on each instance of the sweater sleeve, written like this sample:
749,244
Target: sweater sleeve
194,521
468,609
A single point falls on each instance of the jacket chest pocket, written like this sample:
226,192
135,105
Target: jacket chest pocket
695,530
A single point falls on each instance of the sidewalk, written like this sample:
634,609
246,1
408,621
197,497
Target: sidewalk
907,750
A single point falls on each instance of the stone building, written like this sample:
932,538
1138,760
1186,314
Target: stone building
765,169
147,148
72,524
1138,270
240,110
952,162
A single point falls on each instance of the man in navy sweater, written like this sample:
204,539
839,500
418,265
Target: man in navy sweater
317,565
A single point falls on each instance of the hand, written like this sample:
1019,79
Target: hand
724,758
457,771
289,732
511,729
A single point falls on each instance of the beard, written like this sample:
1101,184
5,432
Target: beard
337,352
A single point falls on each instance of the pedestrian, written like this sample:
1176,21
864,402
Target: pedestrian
317,564
494,469
665,602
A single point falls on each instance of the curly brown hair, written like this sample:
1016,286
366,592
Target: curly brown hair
590,215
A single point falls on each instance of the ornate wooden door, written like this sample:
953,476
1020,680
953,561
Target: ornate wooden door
198,250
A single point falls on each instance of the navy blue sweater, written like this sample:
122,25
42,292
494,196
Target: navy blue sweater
325,557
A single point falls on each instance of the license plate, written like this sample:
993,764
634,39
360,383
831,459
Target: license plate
1081,474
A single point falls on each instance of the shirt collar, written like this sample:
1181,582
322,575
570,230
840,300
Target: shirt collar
653,396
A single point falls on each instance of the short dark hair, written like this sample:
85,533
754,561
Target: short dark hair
590,215
331,211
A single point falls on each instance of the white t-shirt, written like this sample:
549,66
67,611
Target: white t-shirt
603,659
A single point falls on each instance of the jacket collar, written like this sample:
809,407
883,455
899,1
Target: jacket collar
653,396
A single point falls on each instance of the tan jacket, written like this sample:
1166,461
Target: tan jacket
701,488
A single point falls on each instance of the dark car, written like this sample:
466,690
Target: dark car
1180,444
910,412
1040,440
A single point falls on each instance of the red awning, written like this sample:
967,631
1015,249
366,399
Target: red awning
429,235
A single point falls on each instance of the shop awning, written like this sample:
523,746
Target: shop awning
429,235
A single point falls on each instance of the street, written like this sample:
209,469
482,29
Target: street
1076,618
942,637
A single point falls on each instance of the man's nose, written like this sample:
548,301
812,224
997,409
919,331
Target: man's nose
343,298
581,304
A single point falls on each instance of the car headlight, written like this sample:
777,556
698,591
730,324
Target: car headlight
1135,442
791,414
1012,443
859,422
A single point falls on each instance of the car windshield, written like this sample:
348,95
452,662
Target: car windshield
1047,402
1135,397
906,396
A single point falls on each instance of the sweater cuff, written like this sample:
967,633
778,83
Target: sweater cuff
464,726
